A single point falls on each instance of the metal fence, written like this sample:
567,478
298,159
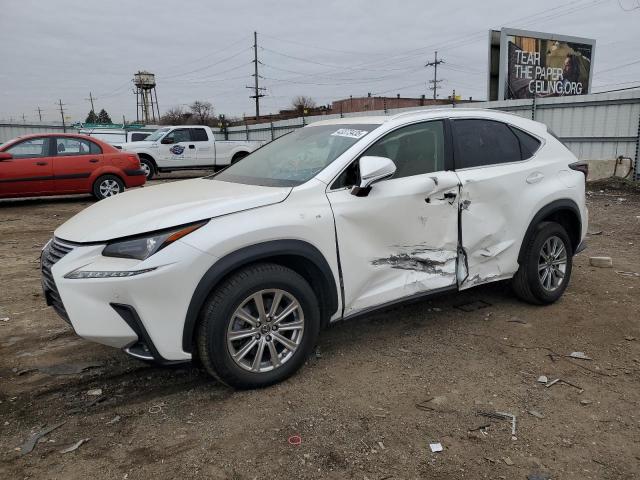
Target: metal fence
594,127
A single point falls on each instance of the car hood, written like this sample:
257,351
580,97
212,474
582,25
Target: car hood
163,206
131,146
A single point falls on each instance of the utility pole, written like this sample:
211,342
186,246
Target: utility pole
256,88
435,80
24,120
91,99
39,114
64,126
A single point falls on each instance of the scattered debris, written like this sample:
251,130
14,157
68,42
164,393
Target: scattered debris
94,392
599,232
75,446
517,320
508,461
114,420
472,306
436,447
404,350
535,413
586,402
601,262
381,445
502,416
543,379
572,385
30,442
628,274
295,440
4,319
552,383
579,355
423,404
629,338
153,409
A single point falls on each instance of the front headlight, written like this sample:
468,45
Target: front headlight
142,247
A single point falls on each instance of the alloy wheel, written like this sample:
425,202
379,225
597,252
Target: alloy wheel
552,263
109,188
265,330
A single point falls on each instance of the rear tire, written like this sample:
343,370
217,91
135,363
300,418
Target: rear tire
244,348
545,270
149,168
107,186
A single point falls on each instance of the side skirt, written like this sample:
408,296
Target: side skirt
416,297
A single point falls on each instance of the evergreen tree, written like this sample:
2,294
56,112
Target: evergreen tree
103,117
92,117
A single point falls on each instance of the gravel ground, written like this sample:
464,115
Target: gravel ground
367,405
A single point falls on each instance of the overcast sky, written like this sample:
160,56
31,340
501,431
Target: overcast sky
201,50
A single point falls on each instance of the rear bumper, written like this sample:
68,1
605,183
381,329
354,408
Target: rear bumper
135,178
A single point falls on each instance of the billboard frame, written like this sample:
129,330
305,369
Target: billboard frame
515,32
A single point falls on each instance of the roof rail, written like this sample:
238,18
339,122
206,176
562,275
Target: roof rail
466,109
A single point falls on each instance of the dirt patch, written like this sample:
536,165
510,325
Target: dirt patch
367,405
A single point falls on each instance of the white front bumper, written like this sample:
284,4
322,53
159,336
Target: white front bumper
160,297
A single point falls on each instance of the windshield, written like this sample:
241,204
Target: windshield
296,157
155,136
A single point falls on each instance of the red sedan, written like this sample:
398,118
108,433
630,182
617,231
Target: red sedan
63,164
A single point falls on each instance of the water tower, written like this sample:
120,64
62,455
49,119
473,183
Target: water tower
146,97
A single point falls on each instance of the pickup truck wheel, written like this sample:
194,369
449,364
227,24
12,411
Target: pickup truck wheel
107,186
258,327
148,167
545,270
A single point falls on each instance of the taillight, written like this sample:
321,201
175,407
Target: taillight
134,158
580,167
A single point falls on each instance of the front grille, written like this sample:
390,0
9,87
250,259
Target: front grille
54,251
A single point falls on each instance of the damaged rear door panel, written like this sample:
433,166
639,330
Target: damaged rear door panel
492,164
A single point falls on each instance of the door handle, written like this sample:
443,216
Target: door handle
450,195
535,177
192,146
42,164
93,160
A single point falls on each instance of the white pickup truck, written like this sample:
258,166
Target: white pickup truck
187,147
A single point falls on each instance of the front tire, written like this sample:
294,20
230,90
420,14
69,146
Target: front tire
107,186
148,167
545,270
258,327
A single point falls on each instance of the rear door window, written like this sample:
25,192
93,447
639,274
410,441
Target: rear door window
75,146
199,135
528,144
480,143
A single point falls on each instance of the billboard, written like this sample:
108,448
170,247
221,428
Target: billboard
533,64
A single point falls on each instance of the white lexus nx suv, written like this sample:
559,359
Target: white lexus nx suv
242,269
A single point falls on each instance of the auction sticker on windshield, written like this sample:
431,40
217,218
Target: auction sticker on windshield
349,132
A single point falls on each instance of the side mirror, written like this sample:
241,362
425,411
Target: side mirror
5,156
372,169
167,140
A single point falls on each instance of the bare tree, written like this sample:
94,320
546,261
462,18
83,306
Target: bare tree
202,112
175,116
302,102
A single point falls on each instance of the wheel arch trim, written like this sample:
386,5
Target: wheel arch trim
564,204
251,254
